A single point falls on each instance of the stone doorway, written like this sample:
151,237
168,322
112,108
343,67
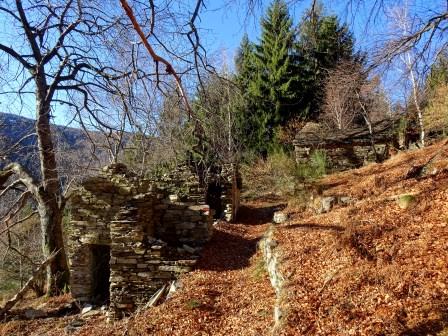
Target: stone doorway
214,199
100,274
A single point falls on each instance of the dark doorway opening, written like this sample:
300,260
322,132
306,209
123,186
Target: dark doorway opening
213,199
100,274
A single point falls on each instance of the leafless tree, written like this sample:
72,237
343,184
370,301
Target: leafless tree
402,24
63,56
161,142
340,101
54,57
350,95
216,104
195,57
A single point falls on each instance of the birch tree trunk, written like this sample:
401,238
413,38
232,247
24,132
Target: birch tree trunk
415,96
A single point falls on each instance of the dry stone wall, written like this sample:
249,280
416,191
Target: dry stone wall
221,186
344,157
346,149
134,235
140,263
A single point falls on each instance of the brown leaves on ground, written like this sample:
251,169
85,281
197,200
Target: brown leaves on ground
371,268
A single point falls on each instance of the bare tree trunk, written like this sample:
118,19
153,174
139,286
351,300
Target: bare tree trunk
50,201
365,115
416,100
52,240
408,57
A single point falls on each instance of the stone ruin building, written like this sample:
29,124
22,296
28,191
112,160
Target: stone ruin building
130,236
346,149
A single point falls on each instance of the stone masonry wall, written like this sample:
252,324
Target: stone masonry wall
343,158
93,208
152,237
185,185
140,263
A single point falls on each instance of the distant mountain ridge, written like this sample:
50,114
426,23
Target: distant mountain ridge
15,128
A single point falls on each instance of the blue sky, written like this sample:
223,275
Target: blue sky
224,26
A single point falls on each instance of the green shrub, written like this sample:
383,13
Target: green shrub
318,161
315,168
276,174
280,174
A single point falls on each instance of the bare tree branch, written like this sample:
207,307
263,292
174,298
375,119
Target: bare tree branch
157,59
10,303
11,52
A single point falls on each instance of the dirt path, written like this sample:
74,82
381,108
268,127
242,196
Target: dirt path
228,294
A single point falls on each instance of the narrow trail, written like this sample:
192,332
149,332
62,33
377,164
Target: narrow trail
229,293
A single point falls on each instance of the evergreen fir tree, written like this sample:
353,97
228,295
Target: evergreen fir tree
323,42
280,77
276,75
247,122
267,75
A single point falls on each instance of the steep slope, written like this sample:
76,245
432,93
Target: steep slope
378,266
228,294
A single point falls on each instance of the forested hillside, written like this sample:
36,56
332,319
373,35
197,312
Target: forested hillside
19,141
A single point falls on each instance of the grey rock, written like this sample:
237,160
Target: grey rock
280,217
74,325
92,313
277,314
345,200
34,313
327,204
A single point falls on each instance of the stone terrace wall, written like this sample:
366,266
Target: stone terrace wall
345,149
